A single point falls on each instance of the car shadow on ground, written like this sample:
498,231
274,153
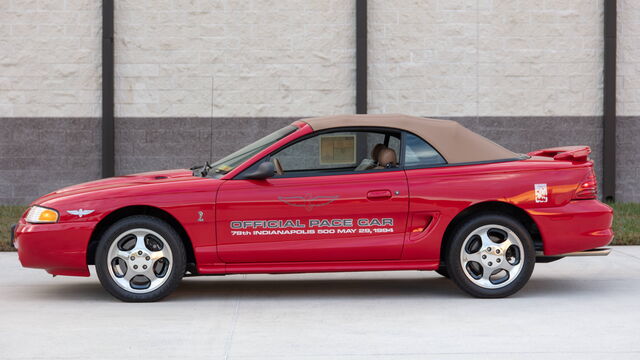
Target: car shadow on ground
304,288
213,287
431,287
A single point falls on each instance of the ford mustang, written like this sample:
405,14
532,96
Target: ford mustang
340,193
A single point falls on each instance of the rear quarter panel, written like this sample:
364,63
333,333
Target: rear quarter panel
441,193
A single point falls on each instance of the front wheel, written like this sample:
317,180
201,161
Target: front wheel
140,258
491,256
442,271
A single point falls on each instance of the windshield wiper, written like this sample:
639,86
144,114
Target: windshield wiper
201,170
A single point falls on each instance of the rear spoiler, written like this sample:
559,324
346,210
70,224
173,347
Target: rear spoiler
569,153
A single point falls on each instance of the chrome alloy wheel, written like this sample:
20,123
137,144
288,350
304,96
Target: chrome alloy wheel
492,256
140,260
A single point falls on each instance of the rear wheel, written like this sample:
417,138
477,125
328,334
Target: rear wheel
140,258
491,256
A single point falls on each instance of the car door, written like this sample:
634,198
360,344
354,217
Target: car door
332,203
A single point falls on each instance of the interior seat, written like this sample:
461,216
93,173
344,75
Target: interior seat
368,164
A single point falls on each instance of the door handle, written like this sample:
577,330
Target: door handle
379,195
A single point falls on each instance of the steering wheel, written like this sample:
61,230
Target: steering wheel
278,166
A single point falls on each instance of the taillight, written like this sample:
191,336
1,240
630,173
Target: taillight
588,188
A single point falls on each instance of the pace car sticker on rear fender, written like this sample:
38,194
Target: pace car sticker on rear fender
541,195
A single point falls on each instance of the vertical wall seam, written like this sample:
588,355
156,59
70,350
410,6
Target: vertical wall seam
108,123
609,101
361,56
477,60
211,125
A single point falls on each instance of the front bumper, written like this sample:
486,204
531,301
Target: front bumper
60,249
579,226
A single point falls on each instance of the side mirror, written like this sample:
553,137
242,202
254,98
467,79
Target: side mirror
264,171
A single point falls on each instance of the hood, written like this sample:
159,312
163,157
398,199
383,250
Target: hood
119,182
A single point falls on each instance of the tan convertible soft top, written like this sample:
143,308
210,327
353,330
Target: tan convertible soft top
455,143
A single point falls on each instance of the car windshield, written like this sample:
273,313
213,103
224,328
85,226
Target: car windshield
231,161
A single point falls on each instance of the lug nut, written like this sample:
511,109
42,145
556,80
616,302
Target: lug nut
148,258
498,251
490,263
484,256
135,266
497,260
133,258
139,252
488,249
144,267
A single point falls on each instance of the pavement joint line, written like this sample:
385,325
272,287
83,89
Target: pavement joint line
281,356
234,322
627,254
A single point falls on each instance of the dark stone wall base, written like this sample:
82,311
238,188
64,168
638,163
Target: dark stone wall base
147,144
39,155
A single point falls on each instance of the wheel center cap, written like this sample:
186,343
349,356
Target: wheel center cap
490,259
139,260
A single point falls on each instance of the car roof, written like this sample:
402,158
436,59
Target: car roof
455,143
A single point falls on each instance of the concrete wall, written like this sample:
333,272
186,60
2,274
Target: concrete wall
50,58
49,96
628,69
628,101
486,58
197,79
234,58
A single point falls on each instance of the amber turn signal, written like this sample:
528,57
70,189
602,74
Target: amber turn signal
41,215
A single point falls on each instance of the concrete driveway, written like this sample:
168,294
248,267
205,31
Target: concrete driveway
582,308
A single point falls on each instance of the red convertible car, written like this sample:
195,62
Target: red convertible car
341,193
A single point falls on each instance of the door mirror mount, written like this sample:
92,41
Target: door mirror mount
264,171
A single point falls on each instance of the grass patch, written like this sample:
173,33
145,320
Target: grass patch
9,215
626,224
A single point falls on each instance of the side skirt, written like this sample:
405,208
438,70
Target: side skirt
316,267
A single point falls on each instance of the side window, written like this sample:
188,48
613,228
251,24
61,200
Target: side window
419,153
343,151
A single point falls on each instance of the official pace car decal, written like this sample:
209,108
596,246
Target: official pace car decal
312,226
541,193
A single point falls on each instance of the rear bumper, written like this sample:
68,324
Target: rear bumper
590,252
60,249
578,226
542,258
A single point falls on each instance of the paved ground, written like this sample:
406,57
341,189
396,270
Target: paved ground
582,308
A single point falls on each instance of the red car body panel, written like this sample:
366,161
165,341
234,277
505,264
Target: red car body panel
62,255
337,197
420,203
61,248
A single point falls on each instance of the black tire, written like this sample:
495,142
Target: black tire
178,263
443,271
454,263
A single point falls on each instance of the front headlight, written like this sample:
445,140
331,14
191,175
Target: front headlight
41,215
